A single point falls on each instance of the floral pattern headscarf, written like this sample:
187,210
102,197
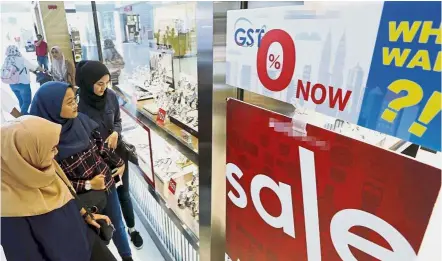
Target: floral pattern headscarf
13,51
13,58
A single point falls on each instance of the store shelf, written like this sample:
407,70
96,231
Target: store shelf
170,132
182,172
171,128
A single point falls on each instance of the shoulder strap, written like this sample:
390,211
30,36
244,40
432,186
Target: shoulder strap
24,69
71,190
74,194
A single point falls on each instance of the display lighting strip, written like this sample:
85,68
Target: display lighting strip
177,246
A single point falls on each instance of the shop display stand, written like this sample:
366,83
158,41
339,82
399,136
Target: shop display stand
169,131
145,163
184,126
180,220
154,103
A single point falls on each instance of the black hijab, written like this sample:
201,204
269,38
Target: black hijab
87,74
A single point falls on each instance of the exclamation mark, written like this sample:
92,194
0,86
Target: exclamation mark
432,108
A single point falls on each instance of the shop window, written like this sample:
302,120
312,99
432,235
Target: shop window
81,29
150,49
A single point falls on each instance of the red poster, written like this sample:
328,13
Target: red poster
321,197
161,116
172,186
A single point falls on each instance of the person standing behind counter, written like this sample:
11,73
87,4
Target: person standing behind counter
101,105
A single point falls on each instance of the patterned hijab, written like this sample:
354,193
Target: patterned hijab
13,51
13,57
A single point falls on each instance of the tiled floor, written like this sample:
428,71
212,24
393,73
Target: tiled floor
149,252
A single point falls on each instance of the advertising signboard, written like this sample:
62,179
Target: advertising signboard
375,64
299,192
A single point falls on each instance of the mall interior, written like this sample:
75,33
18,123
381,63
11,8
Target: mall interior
184,104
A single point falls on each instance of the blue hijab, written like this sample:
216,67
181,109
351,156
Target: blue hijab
75,133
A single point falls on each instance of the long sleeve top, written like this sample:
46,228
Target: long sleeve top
108,119
92,162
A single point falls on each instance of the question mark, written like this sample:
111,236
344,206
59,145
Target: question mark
413,97
431,109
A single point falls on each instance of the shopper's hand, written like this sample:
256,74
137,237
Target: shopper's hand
112,140
120,171
98,182
93,221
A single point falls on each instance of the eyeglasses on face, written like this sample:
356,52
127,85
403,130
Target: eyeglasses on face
74,101
77,98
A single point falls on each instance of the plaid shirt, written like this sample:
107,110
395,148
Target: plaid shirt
85,165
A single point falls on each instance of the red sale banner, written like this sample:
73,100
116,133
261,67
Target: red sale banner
316,195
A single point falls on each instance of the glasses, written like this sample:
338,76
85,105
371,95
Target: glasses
75,101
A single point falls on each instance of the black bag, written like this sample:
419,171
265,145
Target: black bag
105,232
129,150
94,200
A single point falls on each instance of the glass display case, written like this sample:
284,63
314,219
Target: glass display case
152,57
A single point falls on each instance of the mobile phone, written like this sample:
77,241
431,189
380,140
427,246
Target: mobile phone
117,178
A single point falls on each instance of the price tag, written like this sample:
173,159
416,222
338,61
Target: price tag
187,137
172,186
161,116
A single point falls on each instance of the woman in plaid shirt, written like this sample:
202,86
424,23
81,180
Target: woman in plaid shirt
83,156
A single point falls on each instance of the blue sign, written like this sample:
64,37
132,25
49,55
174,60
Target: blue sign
403,93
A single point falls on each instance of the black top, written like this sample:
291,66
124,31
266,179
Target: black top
109,119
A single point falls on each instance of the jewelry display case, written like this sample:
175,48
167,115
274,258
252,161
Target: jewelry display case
156,84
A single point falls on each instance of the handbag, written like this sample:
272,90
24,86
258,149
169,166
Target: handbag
43,77
130,151
105,232
94,200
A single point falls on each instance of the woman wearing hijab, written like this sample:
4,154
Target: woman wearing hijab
101,105
82,154
16,72
113,60
62,70
39,217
